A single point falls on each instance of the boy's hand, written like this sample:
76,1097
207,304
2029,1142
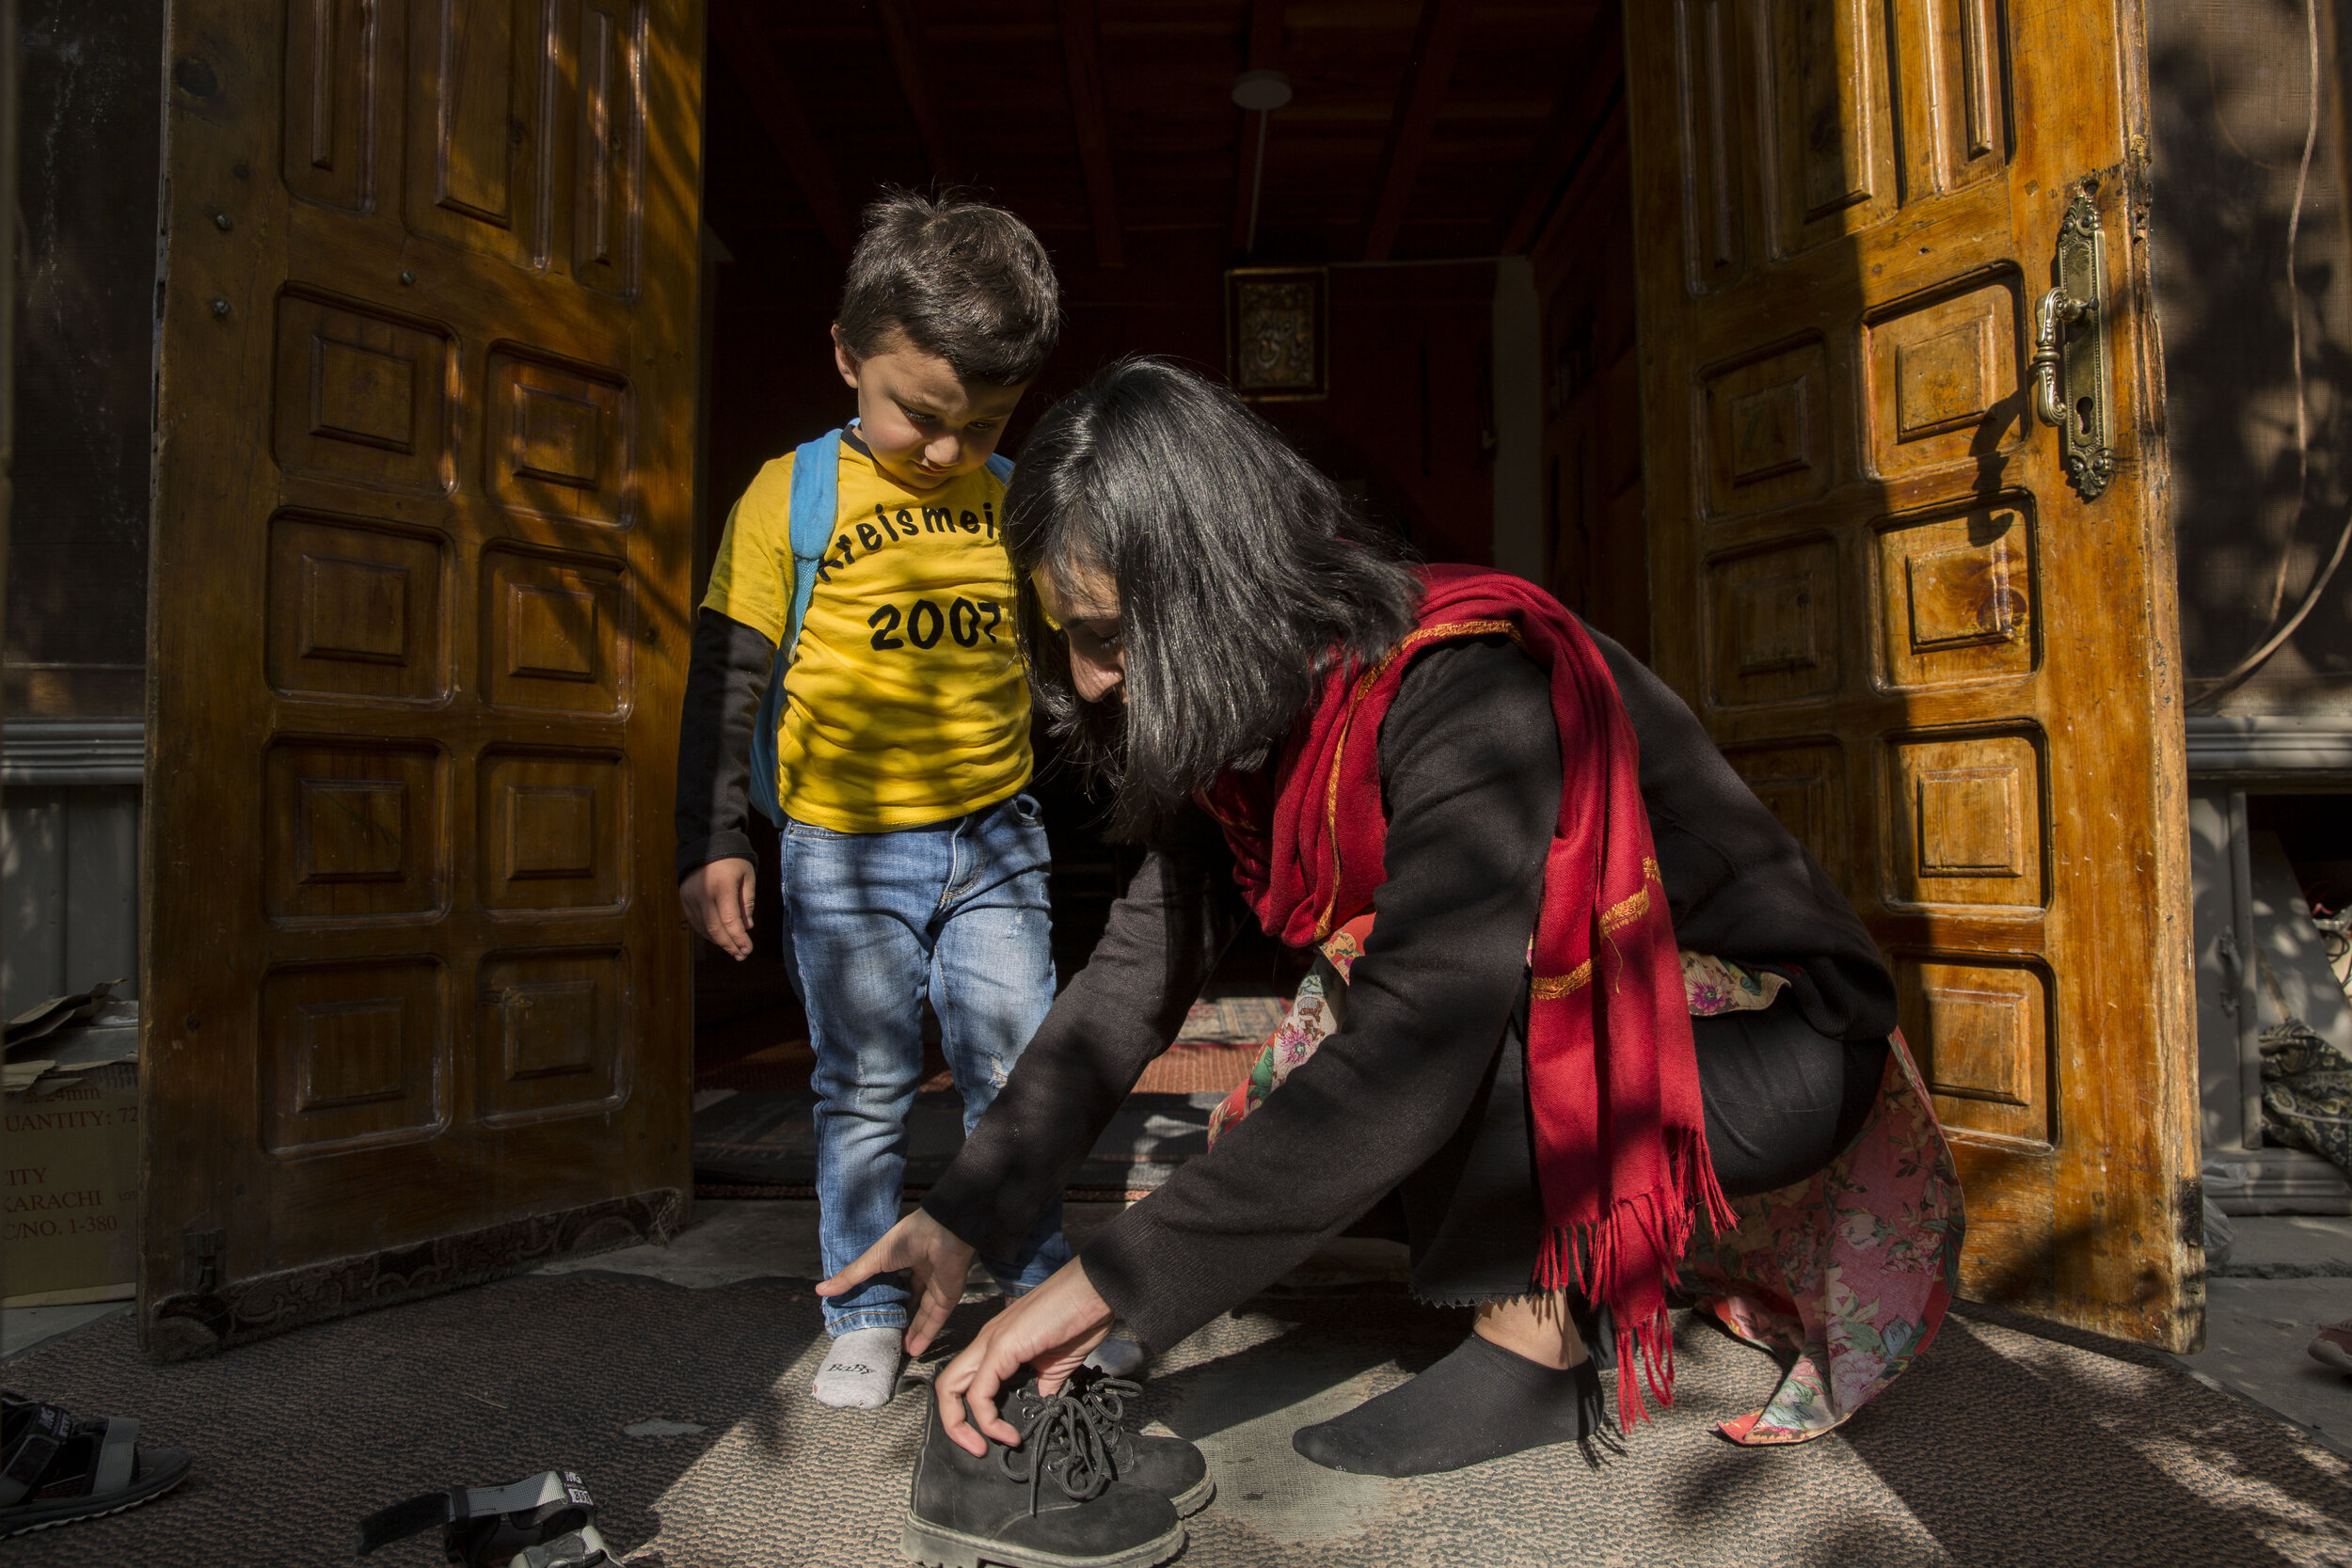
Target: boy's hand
937,1262
718,900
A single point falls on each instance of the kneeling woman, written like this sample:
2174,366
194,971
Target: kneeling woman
1510,838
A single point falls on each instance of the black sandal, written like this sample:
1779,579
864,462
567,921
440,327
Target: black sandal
54,1469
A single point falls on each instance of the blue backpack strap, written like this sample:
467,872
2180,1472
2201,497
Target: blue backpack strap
1001,466
816,506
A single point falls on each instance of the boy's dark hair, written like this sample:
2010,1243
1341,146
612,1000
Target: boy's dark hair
957,278
1242,574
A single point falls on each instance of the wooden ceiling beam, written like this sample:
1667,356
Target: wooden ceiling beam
1264,52
1576,119
735,26
902,34
1082,56
1435,42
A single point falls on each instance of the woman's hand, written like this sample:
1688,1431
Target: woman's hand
1052,1328
934,1258
718,900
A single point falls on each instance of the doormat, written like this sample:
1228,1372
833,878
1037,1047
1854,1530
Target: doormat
763,1144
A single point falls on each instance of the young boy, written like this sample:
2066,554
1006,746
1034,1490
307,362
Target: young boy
914,866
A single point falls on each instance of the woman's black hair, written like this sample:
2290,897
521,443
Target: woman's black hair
1242,576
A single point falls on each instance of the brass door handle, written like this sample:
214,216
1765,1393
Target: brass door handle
2055,312
2069,366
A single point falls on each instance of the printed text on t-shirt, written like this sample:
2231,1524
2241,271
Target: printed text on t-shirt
965,620
889,527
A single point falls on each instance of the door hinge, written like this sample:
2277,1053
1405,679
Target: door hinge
2070,351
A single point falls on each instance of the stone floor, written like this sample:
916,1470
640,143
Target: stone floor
23,1327
2287,1275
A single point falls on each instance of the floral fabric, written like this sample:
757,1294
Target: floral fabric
1306,1026
1714,985
1844,1276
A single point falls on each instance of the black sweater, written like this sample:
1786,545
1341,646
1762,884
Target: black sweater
1470,767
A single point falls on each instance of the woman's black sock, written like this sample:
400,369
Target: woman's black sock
1481,1402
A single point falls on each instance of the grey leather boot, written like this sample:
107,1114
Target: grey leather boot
1053,1502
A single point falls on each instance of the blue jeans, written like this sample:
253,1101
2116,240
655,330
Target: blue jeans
957,911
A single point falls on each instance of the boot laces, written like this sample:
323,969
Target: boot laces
1071,1437
1106,1396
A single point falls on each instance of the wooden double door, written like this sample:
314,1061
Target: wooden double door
415,988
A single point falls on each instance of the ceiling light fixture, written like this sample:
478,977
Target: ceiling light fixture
1262,92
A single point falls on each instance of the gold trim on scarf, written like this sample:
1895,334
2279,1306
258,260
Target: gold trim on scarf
1625,912
1547,988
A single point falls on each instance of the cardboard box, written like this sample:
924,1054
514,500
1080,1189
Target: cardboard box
69,1173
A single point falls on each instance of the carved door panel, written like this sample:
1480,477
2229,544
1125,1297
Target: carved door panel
1949,673
416,994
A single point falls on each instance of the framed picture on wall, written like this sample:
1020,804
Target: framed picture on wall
1277,333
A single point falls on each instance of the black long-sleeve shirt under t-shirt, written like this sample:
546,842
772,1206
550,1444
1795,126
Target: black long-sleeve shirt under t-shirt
725,680
1470,770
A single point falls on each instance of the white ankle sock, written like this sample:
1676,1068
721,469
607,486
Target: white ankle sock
861,1370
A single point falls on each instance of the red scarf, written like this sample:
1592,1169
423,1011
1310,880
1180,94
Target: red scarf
1620,1138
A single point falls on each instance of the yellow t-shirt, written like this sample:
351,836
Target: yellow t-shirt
906,702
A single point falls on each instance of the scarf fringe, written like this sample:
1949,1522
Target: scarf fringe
1591,1257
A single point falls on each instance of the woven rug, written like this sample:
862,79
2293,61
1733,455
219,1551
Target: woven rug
1997,1448
769,1050
1188,1066
753,1137
1198,1068
1233,1020
757,1143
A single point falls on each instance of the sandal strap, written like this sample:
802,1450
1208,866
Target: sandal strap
463,1504
520,1497
34,1452
117,1456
